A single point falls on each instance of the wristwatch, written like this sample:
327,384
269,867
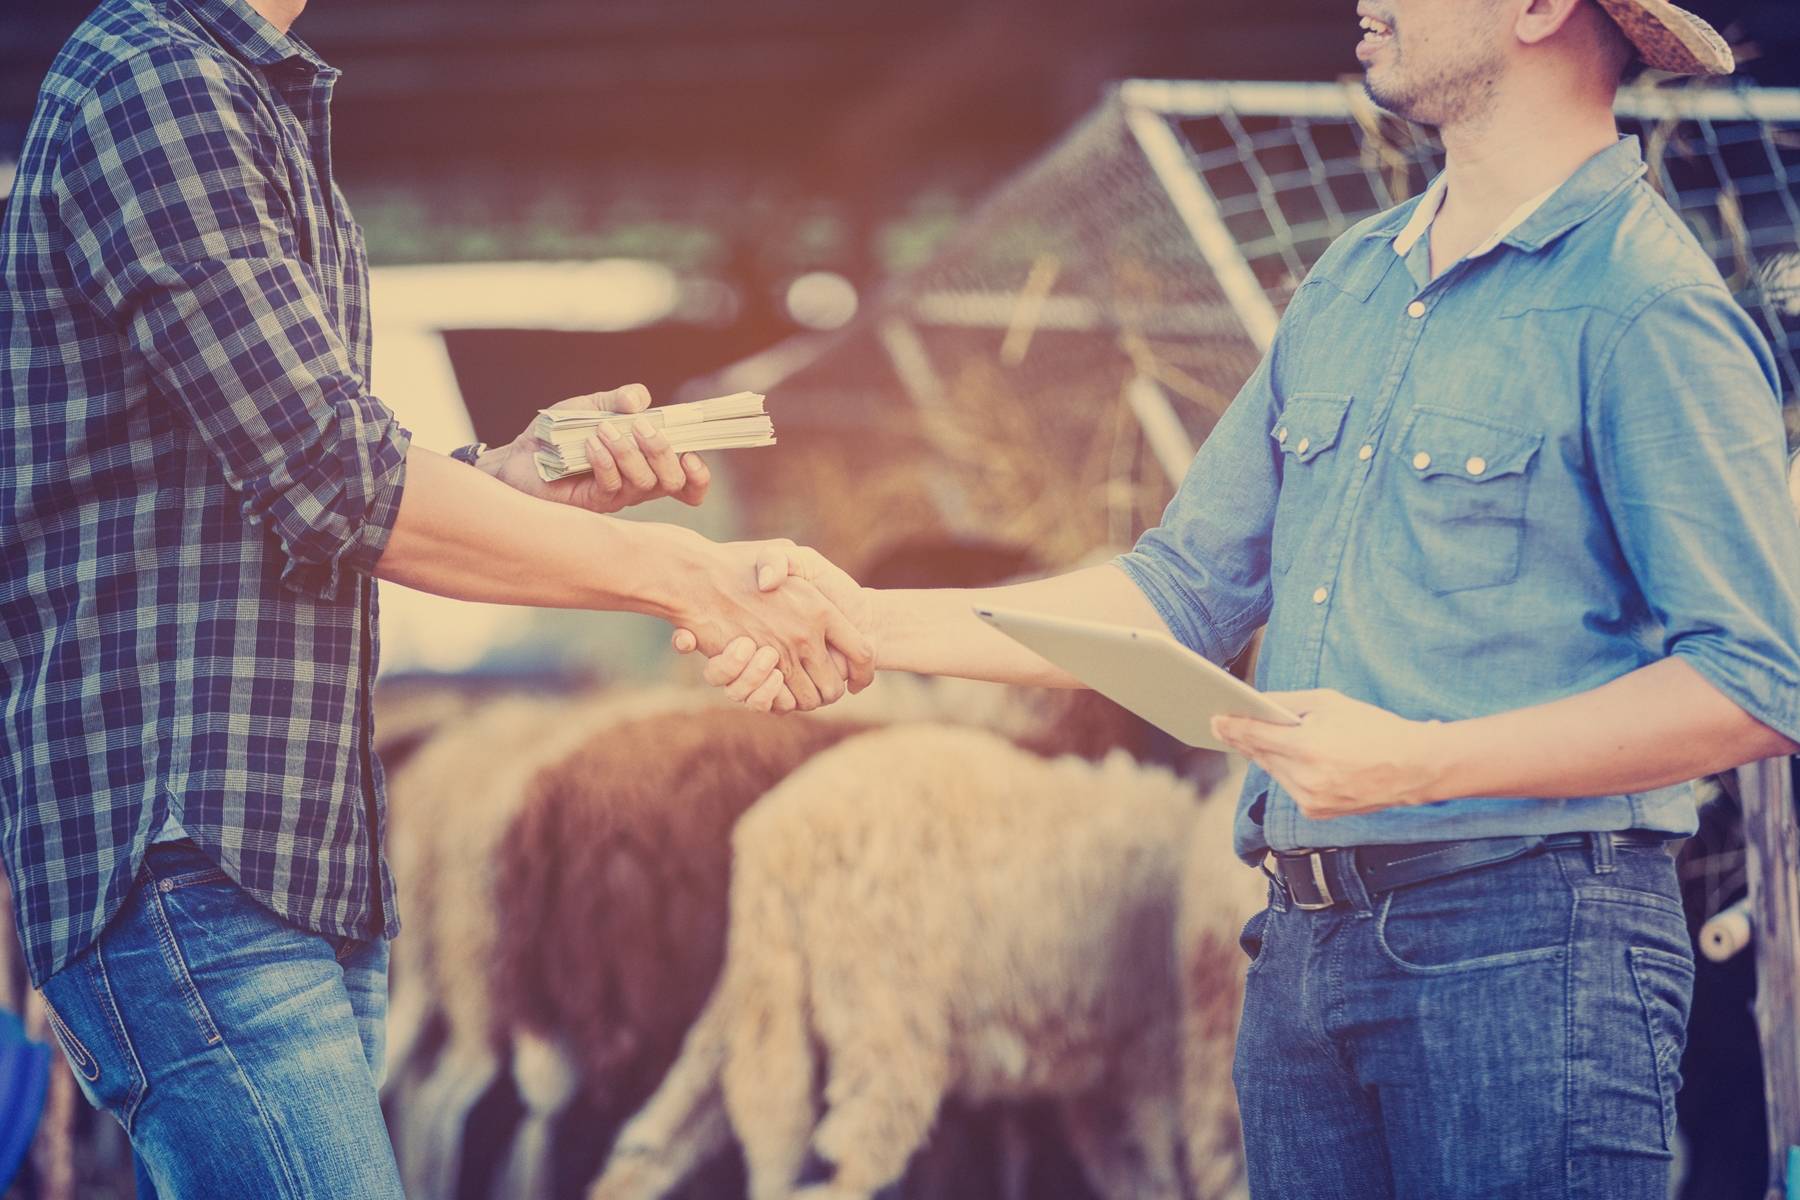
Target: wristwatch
471,452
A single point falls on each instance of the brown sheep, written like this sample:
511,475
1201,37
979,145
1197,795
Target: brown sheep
610,895
449,807
625,844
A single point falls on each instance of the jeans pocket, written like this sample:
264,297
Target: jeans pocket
1255,939
1665,984
1427,938
79,1056
85,1019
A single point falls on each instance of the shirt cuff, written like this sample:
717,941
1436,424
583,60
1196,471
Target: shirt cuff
1180,609
383,449
1751,684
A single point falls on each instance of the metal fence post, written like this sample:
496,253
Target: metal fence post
1772,835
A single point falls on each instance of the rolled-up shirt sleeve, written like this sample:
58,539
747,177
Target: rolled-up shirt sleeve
181,237
1691,456
1206,566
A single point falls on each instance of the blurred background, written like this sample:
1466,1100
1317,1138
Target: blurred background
762,165
937,234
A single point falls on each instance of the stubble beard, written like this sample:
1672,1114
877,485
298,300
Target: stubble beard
1456,90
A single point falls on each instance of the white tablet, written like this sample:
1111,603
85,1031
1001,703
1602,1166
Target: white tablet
1145,670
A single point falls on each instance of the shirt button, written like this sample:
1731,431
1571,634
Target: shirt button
1365,452
1304,443
1476,465
1416,309
1282,435
1319,596
1421,460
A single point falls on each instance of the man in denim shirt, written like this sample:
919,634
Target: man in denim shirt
1508,492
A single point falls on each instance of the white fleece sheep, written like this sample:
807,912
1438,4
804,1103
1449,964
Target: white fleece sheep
926,911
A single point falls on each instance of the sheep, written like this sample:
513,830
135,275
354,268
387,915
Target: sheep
610,895
448,809
923,912
579,1043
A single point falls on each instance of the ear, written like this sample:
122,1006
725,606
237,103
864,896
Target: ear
1542,19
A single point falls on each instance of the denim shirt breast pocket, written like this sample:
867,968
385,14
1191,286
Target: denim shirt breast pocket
1307,428
1462,497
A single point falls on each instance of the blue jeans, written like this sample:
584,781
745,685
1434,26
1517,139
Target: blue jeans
241,1053
1514,1031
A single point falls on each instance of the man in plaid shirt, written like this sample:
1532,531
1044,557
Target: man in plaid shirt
196,489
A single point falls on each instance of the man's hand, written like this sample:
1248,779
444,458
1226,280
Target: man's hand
791,644
747,669
1344,757
628,468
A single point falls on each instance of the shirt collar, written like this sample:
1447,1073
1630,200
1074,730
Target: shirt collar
1433,200
249,34
1541,219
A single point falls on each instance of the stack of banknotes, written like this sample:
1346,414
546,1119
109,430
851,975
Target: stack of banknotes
722,423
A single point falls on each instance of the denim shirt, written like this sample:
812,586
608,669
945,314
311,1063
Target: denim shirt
1556,463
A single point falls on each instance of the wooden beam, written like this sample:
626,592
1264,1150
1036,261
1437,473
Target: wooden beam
1772,836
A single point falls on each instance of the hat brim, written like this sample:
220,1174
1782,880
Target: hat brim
1670,38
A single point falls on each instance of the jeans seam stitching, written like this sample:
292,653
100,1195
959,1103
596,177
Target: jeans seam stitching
65,1035
190,878
101,980
184,980
1486,962
262,1116
1568,1121
1665,1101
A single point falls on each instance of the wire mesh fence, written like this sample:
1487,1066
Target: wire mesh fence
1044,378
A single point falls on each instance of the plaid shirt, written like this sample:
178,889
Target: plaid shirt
194,482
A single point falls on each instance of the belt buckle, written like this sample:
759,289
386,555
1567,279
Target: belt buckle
1316,859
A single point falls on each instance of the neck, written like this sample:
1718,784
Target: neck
279,13
1531,138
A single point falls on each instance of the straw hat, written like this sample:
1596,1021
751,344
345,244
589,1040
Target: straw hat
1670,38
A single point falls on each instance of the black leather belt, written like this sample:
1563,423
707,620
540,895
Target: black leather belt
1314,879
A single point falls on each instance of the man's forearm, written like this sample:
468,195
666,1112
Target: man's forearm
937,632
1659,725
463,534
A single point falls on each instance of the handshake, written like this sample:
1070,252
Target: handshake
808,641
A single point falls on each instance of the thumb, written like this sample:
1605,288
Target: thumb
772,564
684,641
1248,736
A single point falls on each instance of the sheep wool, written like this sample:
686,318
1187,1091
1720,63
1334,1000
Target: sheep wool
449,808
611,899
924,912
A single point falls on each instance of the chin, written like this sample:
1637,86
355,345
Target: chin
1377,86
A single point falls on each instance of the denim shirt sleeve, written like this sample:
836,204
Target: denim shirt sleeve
1690,452
1206,567
179,235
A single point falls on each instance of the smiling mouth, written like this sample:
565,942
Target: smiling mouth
1376,31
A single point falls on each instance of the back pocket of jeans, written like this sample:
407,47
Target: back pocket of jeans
1665,983
1465,498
